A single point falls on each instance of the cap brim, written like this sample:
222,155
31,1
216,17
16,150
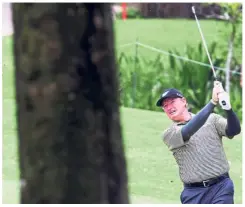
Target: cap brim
159,102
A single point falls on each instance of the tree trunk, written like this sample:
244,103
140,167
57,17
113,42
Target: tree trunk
229,58
70,141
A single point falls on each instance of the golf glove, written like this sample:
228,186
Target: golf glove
218,88
224,100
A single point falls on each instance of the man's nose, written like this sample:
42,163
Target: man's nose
168,107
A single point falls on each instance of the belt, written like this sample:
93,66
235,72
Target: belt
209,182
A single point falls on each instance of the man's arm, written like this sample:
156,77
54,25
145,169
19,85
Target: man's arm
233,126
175,137
197,121
229,126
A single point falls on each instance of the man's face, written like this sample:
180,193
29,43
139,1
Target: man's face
174,107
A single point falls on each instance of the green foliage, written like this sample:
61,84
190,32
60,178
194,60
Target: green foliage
144,76
143,80
233,12
132,13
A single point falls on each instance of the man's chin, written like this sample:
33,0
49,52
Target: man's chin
174,117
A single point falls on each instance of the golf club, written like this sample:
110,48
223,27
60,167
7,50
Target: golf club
204,42
206,48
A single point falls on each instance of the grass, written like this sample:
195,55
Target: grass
169,34
153,173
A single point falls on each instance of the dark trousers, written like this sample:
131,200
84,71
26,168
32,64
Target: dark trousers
219,193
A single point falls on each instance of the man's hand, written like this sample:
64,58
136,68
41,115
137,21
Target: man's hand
224,100
217,89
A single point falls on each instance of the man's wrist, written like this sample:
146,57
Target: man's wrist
229,110
213,102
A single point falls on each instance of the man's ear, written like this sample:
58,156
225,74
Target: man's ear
184,100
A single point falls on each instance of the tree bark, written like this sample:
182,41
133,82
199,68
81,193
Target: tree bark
70,141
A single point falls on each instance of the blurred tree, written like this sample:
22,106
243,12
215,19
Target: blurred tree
70,140
232,14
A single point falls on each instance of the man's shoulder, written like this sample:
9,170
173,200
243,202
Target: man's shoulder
213,116
172,127
172,136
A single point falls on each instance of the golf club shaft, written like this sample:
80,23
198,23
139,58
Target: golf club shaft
204,42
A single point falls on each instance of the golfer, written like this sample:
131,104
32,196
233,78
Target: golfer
196,143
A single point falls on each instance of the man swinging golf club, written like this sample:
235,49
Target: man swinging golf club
196,143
